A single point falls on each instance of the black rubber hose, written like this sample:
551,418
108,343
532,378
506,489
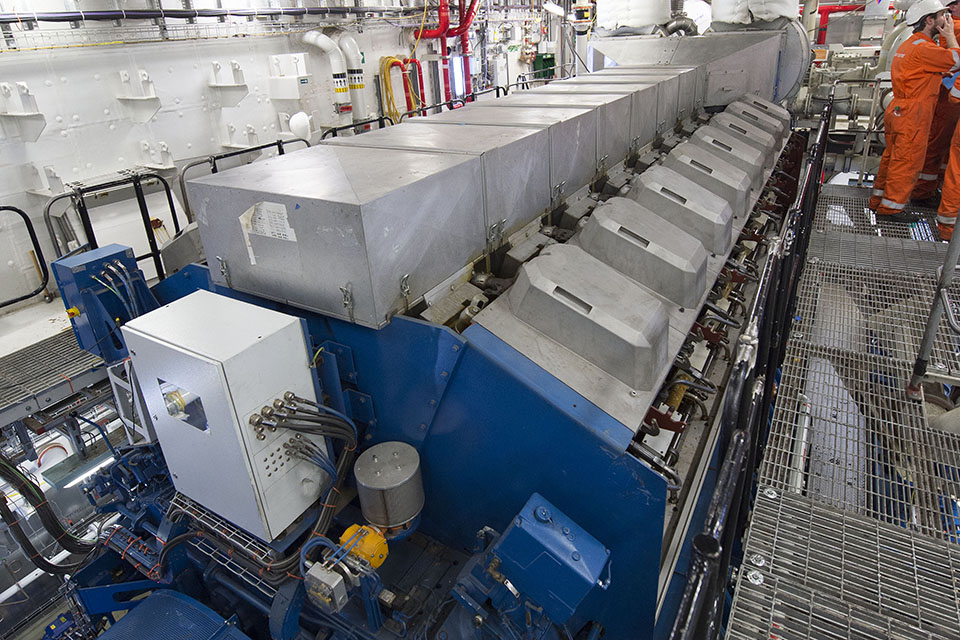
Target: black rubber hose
35,496
23,540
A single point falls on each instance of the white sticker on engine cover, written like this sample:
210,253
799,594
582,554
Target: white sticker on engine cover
267,219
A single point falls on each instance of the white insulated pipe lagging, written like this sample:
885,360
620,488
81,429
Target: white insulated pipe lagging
338,65
355,82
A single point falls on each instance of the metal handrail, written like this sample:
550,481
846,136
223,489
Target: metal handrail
760,352
77,196
44,273
212,160
439,106
379,120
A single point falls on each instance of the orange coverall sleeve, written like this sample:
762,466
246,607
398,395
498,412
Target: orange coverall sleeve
937,59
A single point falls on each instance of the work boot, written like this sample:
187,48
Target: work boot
905,217
930,202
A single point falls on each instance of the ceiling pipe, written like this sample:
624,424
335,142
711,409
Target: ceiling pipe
187,14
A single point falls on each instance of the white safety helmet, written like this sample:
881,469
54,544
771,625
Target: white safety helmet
922,8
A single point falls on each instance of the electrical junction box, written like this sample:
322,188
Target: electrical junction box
206,363
550,558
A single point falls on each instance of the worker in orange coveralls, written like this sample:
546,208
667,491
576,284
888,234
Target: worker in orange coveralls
945,118
950,202
917,70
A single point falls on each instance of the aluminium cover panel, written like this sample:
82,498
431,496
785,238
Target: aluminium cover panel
713,172
515,160
738,153
742,129
643,125
342,230
693,81
614,113
668,105
573,137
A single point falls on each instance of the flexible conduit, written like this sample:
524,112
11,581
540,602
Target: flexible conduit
153,14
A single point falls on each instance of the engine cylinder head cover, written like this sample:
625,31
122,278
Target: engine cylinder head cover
389,484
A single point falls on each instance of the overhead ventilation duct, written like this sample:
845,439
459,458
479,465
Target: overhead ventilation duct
731,11
747,11
618,14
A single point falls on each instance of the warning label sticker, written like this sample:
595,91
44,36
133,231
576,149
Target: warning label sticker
267,219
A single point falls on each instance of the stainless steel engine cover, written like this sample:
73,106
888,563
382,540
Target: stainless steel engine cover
686,204
639,244
738,153
743,130
713,172
595,311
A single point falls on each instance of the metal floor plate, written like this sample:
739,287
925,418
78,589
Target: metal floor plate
43,373
844,578
874,566
844,209
855,532
870,311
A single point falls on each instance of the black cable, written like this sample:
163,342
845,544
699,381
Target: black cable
35,496
171,544
37,558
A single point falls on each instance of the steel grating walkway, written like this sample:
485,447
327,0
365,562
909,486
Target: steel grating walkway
44,373
855,532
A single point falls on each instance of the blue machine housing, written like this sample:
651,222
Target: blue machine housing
550,558
492,428
99,311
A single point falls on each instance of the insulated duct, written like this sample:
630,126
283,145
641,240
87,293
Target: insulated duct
338,65
354,61
616,14
747,11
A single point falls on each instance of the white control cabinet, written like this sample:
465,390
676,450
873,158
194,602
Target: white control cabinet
206,363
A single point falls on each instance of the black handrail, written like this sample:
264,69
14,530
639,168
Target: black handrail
745,406
77,196
439,106
379,120
44,273
212,160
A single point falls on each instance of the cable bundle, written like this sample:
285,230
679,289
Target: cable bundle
51,523
386,85
34,495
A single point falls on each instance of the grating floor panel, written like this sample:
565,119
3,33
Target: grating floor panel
844,209
855,532
874,566
881,312
818,573
877,252
845,434
36,368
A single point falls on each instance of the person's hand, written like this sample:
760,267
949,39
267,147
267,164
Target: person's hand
946,31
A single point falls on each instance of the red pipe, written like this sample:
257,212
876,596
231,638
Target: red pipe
826,11
463,31
406,83
419,80
464,23
444,14
445,67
